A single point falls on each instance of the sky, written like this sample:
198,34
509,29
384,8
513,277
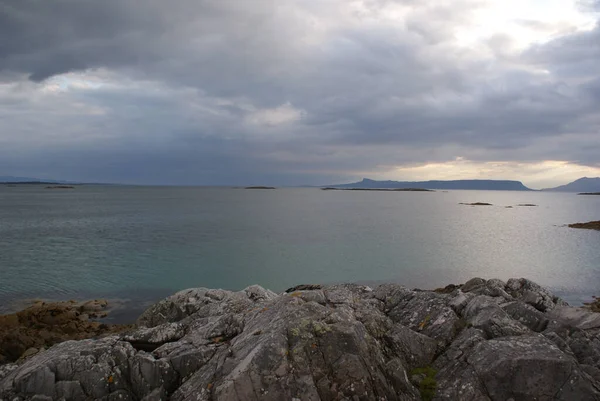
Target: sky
299,92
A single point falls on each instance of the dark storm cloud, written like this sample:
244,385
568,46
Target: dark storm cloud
225,91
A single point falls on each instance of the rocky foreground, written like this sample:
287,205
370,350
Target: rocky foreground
485,340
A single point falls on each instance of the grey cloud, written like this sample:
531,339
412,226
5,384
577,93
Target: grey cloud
373,94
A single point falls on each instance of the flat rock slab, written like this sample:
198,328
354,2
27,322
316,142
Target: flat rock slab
576,317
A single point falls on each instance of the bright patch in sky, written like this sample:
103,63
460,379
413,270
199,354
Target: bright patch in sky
538,175
70,81
525,21
284,114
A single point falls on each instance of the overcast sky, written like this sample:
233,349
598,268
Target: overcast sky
292,92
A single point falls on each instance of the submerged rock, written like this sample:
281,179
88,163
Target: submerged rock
484,340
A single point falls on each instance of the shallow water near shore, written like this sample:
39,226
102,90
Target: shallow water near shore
140,244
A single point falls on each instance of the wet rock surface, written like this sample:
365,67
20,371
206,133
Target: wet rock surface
484,340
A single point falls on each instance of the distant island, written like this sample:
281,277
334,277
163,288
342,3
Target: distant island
260,187
590,225
585,185
16,183
11,181
589,193
489,185
379,189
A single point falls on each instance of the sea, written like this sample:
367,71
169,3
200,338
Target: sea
135,245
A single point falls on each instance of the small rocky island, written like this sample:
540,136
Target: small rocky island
260,187
483,340
591,225
379,189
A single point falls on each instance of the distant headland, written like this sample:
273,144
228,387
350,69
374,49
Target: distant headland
489,185
584,184
379,189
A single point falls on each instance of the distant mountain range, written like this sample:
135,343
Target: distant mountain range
584,184
24,179
30,180
496,185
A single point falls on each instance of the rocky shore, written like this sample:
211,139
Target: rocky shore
484,340
44,324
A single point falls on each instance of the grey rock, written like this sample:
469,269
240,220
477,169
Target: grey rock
533,294
202,302
426,312
311,296
492,288
527,315
39,397
415,350
460,301
456,378
575,317
475,282
69,390
6,369
529,367
484,313
148,339
257,293
487,340
120,395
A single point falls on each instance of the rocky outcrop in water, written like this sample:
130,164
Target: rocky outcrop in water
591,225
44,324
484,340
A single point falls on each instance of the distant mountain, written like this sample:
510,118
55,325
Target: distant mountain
18,179
24,180
494,185
584,184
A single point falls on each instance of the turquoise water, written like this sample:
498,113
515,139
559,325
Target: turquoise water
149,241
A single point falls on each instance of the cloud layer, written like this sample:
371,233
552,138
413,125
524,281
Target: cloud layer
297,91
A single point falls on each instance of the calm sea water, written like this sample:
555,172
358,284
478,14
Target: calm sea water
141,243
